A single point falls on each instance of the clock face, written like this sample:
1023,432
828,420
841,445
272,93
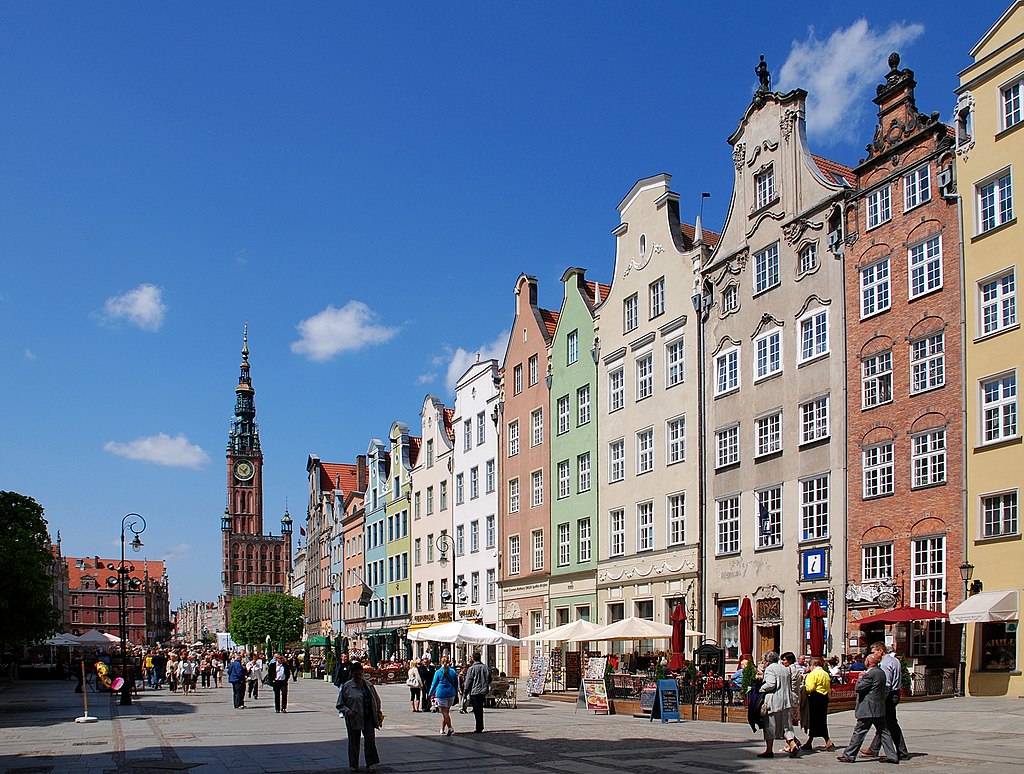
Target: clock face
243,470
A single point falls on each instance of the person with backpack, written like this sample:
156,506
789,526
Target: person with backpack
445,690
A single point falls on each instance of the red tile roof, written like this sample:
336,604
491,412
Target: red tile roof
550,320
338,475
415,444
831,169
690,232
101,573
600,289
448,429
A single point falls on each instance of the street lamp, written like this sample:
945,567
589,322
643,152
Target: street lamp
446,543
124,580
966,573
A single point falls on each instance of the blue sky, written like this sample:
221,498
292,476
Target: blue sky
363,184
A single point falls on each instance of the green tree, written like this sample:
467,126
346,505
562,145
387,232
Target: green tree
26,594
255,617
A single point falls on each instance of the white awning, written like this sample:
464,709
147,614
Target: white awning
986,607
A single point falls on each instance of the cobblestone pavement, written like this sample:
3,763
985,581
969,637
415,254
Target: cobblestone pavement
165,732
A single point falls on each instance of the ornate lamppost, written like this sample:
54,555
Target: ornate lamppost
124,581
446,543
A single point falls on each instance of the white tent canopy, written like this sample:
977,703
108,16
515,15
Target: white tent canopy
462,633
63,639
987,607
633,628
566,632
96,637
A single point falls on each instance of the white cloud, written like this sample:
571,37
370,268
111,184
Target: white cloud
142,307
161,449
176,552
333,331
840,73
462,359
30,355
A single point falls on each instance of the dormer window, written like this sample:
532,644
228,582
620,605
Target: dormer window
764,187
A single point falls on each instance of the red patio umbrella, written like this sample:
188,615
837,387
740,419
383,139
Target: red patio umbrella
816,618
746,629
901,615
678,660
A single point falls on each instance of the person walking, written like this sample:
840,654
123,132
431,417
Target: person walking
254,673
870,711
426,670
360,705
415,685
445,690
171,671
893,669
478,680
779,702
206,671
342,671
236,679
818,685
185,675
279,671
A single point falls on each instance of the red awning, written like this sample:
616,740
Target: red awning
901,615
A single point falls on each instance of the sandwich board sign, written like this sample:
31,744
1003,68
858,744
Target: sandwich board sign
666,702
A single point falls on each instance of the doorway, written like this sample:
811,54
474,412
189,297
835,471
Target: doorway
768,639
513,651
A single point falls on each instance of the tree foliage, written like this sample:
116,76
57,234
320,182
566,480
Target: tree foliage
277,615
27,614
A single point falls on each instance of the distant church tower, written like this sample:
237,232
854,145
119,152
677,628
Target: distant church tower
253,563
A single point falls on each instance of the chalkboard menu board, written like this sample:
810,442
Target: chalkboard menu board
647,697
573,669
538,675
666,702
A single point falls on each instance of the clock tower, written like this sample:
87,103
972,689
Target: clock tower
253,563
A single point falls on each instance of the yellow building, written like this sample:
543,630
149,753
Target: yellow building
989,172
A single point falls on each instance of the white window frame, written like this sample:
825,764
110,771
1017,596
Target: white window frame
768,354
877,562
490,531
517,379
928,458
490,476
814,508
514,495
997,302
644,376
999,410
583,405
616,389
537,540
537,427
768,434
917,188
1011,104
878,469
474,482
563,544
924,266
875,288
584,552
878,209
467,435
675,440
675,512
808,258
630,314
645,526
994,201
727,446
814,335
617,532
564,409
1000,514
474,536
928,591
764,187
563,479
616,460
727,525
514,559
675,362
536,488
583,482
730,299
770,500
876,380
727,371
460,488
513,438
572,347
656,295
534,363
766,269
644,451
928,363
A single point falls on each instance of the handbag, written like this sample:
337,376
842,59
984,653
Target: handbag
268,680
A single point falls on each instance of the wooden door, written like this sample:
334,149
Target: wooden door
513,653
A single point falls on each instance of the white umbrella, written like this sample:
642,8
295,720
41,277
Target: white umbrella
631,628
463,633
565,632
96,637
